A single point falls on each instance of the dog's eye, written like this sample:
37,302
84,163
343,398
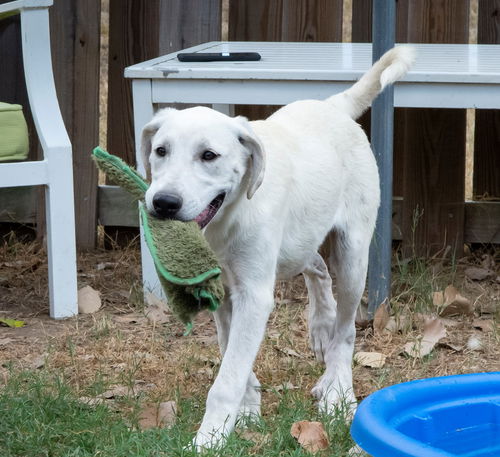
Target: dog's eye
209,155
161,151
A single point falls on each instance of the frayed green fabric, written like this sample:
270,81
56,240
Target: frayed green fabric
187,267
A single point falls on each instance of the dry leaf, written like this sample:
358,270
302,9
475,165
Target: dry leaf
370,359
434,330
438,299
362,316
6,341
117,391
16,264
290,352
142,386
148,418
273,334
89,300
399,323
154,415
167,413
38,361
380,319
452,346
478,274
206,340
212,361
484,325
153,300
454,303
206,372
157,310
392,325
285,386
92,401
251,435
106,266
310,435
157,315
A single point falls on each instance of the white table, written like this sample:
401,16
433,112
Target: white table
444,76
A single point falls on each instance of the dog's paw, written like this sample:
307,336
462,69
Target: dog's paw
320,336
332,398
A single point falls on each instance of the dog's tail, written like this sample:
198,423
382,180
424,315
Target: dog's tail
393,65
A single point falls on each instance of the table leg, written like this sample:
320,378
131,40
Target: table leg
143,112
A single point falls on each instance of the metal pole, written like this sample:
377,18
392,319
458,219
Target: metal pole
382,130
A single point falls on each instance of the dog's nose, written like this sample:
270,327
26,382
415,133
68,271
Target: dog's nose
167,205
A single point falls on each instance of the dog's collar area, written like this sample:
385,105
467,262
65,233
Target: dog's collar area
210,211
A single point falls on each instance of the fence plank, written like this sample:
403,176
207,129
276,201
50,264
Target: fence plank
75,37
133,37
319,20
487,135
278,20
85,114
255,20
435,143
185,23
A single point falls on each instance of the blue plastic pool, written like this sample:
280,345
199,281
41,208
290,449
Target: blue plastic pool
437,417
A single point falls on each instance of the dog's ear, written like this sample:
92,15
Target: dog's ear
148,132
257,155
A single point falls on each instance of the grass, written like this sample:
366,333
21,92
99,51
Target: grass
40,410
41,415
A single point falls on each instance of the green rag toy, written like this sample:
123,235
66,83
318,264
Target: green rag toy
187,267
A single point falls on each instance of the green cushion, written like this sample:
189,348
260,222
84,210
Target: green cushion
14,142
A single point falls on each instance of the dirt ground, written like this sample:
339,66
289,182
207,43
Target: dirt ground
120,345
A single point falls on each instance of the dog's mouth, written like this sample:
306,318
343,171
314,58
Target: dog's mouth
210,211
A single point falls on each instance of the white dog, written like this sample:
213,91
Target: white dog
269,192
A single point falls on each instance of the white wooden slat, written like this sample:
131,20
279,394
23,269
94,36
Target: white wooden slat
18,5
24,173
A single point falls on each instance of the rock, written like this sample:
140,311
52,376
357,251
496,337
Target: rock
89,300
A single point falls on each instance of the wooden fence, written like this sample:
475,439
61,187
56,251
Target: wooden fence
430,144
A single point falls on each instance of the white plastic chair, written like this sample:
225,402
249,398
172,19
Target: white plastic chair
55,171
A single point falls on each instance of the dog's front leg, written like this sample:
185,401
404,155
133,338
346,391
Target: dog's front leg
252,304
250,405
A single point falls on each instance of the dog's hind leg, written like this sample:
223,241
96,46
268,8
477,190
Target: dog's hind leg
250,405
350,261
322,306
